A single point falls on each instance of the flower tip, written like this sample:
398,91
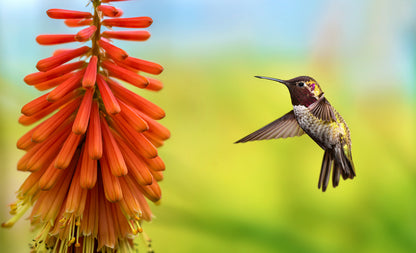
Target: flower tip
7,224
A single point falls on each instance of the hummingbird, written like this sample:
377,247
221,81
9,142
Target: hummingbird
313,114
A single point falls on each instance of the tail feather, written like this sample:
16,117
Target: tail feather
341,166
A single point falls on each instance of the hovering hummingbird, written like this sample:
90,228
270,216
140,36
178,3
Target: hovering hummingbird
313,114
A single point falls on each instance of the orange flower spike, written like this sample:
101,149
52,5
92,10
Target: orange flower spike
53,82
65,87
94,144
127,35
35,105
125,75
112,152
67,151
90,73
59,59
110,102
132,117
113,51
88,170
110,11
86,33
81,121
112,188
138,22
39,77
78,22
67,14
136,101
53,39
48,126
145,66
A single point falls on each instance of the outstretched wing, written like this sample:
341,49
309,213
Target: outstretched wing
283,127
323,110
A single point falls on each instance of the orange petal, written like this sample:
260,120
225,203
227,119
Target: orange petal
67,14
112,188
136,101
67,86
145,66
112,51
112,152
83,115
110,11
154,84
57,60
86,33
39,77
156,163
53,82
47,127
48,179
136,140
138,22
25,142
47,150
132,117
94,144
152,192
54,39
137,167
77,196
124,74
67,151
25,120
90,73
88,170
78,22
110,102
35,105
127,35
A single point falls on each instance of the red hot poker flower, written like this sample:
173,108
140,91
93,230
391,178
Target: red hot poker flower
94,162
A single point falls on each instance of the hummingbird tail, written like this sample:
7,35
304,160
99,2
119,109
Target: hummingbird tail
341,165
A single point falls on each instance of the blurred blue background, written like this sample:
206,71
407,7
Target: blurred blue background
261,196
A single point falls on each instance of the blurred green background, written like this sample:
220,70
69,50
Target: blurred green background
260,196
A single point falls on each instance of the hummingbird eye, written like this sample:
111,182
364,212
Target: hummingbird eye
301,84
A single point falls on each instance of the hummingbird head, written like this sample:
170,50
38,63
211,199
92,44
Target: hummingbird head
304,90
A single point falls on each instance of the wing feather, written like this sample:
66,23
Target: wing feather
283,127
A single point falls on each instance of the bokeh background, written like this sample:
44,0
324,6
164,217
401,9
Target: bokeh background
260,196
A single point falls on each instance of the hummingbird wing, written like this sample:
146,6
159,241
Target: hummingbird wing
283,127
322,109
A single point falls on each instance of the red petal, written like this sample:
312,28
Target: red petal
125,75
86,33
53,82
110,102
57,60
110,11
64,88
53,39
135,100
81,120
127,35
40,77
145,66
67,14
90,73
94,143
113,51
138,22
78,22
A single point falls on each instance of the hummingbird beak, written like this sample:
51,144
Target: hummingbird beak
273,79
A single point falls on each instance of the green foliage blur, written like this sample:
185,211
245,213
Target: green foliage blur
263,196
